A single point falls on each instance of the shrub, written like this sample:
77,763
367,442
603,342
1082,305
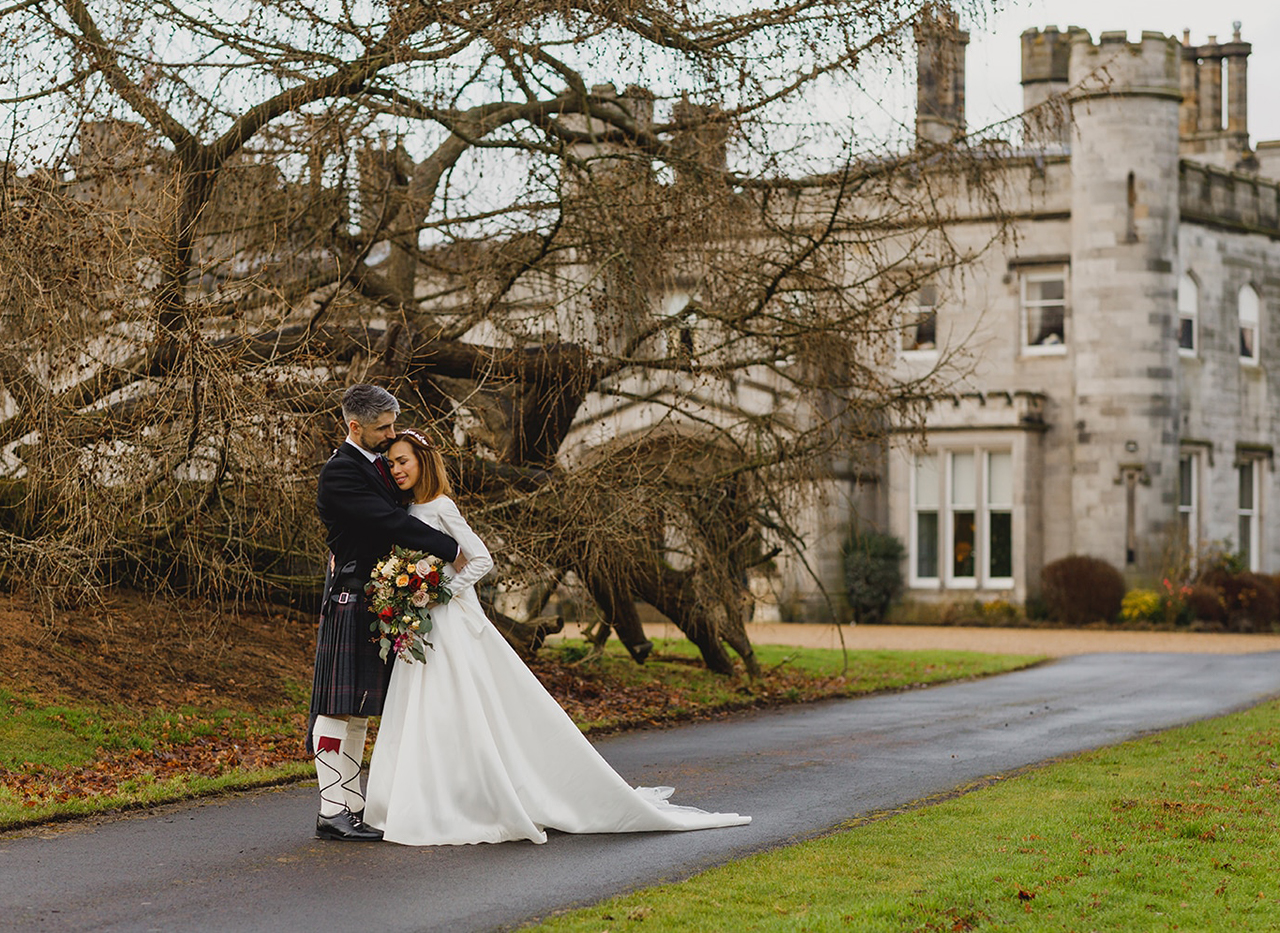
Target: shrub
1035,608
961,612
1249,600
1081,589
1000,612
872,573
1145,605
1206,604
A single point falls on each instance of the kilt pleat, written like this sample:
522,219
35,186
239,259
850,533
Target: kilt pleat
350,678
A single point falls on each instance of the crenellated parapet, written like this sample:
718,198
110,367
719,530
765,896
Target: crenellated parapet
1231,200
1116,67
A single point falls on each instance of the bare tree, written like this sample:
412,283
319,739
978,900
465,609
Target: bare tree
642,318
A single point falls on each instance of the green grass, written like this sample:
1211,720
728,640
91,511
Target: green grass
143,791
1173,832
672,685
63,759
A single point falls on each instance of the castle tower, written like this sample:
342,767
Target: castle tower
1124,218
940,54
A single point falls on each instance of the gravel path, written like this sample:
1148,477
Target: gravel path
1052,642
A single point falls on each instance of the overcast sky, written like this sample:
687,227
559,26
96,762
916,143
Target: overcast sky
994,55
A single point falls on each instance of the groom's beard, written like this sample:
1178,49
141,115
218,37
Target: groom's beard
381,447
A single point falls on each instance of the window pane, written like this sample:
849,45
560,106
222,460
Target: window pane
1188,295
1045,326
1186,333
1246,540
963,479
1248,305
1247,342
962,537
1246,486
1000,478
1001,562
920,330
1046,290
927,544
927,481
1185,483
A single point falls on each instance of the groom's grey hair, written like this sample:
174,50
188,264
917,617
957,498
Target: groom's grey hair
364,403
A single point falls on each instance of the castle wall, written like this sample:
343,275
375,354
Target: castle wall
1227,413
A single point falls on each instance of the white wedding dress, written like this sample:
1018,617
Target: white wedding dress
472,748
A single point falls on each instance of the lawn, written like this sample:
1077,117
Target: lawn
1172,832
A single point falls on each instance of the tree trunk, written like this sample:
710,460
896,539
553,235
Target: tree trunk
619,610
672,593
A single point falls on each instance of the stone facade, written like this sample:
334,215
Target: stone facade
1124,349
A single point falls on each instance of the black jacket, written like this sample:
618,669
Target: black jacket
364,518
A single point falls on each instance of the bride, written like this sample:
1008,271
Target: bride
471,747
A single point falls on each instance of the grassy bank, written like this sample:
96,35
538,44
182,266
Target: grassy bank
1173,832
61,758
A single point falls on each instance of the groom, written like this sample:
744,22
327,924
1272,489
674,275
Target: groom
362,512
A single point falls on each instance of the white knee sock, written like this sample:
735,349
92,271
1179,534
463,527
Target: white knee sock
353,753
327,739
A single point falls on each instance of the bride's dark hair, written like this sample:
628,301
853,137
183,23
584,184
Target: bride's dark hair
433,479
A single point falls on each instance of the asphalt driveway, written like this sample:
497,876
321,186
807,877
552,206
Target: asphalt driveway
249,863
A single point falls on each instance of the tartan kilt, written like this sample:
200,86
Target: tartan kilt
350,679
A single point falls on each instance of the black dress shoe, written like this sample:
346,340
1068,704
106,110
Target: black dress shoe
344,826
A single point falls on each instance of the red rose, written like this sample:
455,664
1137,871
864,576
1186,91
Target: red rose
433,578
415,581
387,612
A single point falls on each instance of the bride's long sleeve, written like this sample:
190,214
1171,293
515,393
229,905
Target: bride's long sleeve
479,560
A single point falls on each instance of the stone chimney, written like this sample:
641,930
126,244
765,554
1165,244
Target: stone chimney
701,142
940,50
1236,53
1205,135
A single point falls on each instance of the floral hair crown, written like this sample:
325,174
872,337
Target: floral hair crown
418,437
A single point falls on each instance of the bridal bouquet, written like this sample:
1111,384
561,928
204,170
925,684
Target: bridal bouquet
404,585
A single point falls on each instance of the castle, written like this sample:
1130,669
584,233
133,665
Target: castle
1126,347
1120,348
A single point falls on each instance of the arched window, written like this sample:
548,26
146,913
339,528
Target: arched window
1247,305
1188,310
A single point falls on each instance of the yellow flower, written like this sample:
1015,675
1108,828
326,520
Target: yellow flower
402,580
415,625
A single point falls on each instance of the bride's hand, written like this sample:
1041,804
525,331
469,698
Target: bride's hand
458,563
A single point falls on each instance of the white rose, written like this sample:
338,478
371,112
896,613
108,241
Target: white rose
420,598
